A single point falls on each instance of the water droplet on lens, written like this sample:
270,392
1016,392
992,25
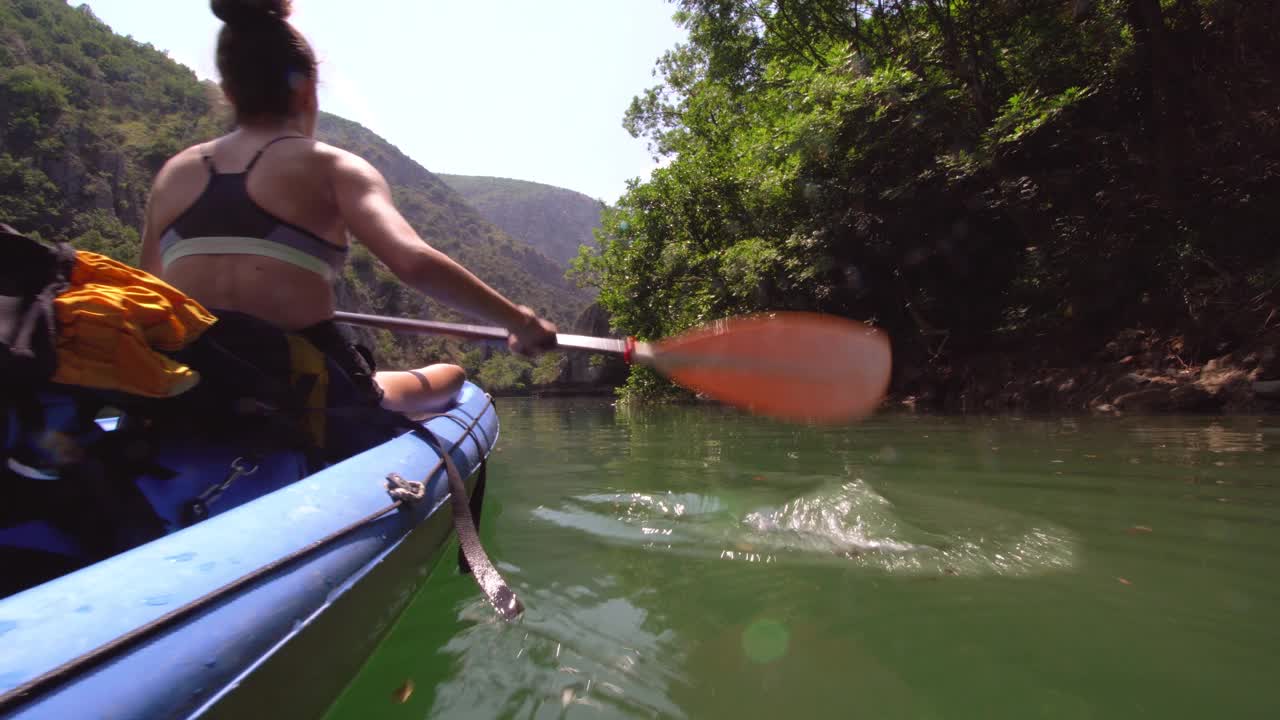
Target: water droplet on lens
765,641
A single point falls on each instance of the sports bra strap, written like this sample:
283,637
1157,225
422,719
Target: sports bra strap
206,154
263,149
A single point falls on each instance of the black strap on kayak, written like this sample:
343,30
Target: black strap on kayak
472,558
495,589
477,505
486,575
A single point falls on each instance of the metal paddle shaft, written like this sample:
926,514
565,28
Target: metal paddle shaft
476,332
794,366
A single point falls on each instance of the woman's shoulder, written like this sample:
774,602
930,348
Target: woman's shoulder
345,163
192,154
339,156
184,162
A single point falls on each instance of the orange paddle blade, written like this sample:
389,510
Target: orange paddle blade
789,365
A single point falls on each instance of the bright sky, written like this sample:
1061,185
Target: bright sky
506,88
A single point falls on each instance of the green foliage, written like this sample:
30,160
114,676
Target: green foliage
644,385
503,372
84,114
506,372
955,172
547,369
28,199
102,232
1024,113
31,100
471,361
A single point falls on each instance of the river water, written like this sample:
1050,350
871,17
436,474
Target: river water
693,562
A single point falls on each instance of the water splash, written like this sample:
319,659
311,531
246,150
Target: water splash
851,520
842,524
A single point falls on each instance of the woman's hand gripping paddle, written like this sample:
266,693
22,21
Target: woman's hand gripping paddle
787,365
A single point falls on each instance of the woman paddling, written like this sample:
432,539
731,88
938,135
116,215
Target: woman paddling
254,224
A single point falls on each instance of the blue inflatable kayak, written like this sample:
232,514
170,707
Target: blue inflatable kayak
268,607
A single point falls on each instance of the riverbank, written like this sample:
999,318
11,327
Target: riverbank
557,391
1138,372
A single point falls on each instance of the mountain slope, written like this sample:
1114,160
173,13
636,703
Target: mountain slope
552,219
444,219
88,116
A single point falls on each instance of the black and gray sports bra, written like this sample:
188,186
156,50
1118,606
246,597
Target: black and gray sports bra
225,220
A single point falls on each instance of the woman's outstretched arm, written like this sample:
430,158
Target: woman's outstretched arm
367,209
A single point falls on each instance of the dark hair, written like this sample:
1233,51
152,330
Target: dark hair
261,56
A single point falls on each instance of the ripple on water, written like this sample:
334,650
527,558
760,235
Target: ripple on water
836,598
847,524
604,655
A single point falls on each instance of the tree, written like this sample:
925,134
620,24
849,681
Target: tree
31,100
102,232
548,368
29,201
505,371
965,174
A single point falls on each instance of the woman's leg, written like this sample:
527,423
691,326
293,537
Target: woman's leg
419,392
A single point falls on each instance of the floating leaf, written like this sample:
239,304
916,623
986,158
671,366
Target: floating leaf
402,694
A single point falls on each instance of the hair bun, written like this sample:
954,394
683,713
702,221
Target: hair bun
251,12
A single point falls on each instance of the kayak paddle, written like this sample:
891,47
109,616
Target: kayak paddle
793,366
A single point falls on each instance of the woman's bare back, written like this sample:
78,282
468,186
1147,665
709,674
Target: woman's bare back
291,181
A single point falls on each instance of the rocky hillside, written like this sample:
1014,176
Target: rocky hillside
88,116
554,220
444,219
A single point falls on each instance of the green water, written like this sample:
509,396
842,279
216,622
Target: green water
695,563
